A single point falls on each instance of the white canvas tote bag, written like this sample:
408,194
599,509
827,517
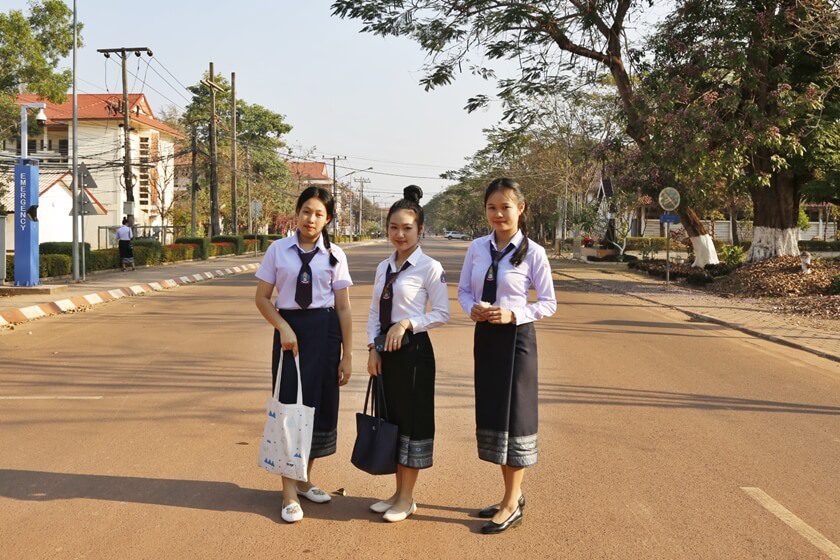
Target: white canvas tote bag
287,437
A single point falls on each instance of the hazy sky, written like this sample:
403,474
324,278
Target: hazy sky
344,93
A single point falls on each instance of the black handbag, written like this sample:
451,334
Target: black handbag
375,450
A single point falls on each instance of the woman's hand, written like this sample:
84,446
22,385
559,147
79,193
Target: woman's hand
288,339
393,340
478,313
374,363
499,316
345,367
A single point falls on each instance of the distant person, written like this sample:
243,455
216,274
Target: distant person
404,283
499,270
124,237
310,318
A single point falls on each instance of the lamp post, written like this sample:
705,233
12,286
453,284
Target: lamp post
26,204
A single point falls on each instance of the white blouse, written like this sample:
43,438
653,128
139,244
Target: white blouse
424,281
281,265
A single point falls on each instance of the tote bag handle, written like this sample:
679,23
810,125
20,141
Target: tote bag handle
378,408
280,374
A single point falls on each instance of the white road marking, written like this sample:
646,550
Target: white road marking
812,535
50,398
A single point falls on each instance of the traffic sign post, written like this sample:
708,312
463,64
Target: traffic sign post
669,200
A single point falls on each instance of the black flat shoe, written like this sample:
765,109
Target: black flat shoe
489,512
491,527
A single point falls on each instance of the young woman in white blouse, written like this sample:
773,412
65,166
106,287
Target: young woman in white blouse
405,282
499,270
311,318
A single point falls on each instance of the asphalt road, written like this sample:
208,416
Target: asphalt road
131,431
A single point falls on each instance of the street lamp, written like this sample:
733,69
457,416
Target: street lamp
26,204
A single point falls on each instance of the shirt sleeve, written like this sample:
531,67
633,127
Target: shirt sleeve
546,304
341,271
436,288
268,271
465,292
373,312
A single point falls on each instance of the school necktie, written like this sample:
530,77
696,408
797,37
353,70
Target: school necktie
303,290
488,294
386,300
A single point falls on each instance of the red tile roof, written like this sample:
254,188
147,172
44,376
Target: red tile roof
309,169
101,106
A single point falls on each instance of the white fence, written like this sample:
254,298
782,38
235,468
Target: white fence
816,230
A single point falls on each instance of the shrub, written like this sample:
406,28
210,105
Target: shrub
10,268
647,246
834,287
251,245
145,256
103,259
731,254
179,252
819,245
60,248
55,265
202,245
237,240
153,245
222,248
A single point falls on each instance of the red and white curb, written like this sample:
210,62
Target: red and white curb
12,317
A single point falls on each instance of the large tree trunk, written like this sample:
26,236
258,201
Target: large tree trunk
775,229
704,248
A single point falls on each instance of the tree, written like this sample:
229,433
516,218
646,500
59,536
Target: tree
751,87
558,44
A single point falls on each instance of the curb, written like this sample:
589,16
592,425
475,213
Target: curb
709,319
12,317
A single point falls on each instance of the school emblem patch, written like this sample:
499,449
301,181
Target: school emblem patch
490,275
304,278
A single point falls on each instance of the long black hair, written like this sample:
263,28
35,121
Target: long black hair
504,183
410,201
326,197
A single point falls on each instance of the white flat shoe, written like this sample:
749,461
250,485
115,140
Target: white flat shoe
393,516
316,495
381,507
292,513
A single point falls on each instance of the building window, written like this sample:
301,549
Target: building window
62,147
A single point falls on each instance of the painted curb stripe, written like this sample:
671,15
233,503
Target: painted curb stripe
155,286
93,299
116,294
137,289
65,305
32,312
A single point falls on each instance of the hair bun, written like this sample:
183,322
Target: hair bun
413,193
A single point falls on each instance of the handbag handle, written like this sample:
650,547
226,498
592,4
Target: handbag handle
280,374
377,400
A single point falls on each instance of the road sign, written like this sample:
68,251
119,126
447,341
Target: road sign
256,207
669,199
669,219
85,178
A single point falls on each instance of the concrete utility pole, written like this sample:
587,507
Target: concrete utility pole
248,187
233,222
74,251
123,53
215,221
335,193
361,181
194,186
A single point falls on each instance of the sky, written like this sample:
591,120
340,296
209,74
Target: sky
344,93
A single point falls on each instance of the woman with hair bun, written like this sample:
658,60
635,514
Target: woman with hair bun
405,282
311,317
499,271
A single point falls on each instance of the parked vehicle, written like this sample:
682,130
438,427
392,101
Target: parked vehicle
456,235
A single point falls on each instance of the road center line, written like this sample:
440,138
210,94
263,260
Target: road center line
812,535
50,398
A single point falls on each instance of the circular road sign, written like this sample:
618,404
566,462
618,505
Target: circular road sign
669,199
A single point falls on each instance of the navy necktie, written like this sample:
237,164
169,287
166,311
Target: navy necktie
386,300
303,290
488,294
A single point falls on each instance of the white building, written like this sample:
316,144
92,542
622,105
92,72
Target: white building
100,138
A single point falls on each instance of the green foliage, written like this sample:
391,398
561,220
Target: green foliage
647,246
104,259
218,249
55,265
202,243
803,222
731,254
31,47
179,252
154,247
60,248
237,240
819,245
834,287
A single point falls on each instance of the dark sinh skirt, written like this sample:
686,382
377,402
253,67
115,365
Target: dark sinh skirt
506,393
126,251
319,343
408,376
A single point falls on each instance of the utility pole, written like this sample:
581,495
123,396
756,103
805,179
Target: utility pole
74,252
248,187
361,181
335,194
215,221
233,223
194,187
123,53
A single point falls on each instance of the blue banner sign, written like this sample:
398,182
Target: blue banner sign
26,225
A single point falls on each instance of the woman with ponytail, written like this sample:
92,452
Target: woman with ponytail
311,319
400,350
499,271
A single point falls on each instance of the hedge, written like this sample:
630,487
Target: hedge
819,245
179,252
237,240
48,266
60,248
220,248
152,244
202,244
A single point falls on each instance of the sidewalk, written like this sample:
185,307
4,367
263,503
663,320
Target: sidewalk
754,317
